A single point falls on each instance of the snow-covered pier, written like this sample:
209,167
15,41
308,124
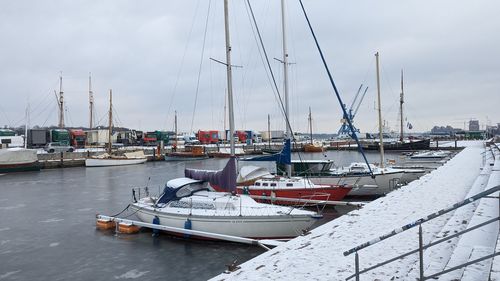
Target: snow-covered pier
319,255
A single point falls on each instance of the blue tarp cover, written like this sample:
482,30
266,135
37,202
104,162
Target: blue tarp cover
283,157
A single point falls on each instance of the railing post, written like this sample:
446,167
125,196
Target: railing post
356,265
421,252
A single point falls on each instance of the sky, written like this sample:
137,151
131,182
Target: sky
156,58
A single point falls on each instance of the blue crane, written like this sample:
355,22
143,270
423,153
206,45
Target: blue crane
345,131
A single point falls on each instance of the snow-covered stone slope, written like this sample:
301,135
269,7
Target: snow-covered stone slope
319,255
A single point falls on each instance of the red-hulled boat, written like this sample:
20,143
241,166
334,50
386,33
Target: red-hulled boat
294,188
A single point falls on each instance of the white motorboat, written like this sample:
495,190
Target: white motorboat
188,203
383,180
430,155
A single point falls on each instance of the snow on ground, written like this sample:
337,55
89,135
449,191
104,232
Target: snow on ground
480,242
438,256
495,269
319,255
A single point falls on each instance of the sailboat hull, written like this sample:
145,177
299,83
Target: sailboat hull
18,160
334,193
364,184
257,227
112,162
413,145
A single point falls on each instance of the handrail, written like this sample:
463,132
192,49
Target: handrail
422,220
421,246
425,247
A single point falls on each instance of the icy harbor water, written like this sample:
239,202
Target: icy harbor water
47,226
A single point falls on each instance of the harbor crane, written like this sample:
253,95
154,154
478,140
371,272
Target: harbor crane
344,131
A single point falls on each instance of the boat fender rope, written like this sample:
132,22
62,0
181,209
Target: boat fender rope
121,211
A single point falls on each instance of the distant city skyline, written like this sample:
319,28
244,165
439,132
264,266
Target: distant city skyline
152,56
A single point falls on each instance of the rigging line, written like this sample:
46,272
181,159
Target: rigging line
174,90
335,87
116,117
201,65
67,113
282,106
50,115
277,94
48,106
261,55
99,123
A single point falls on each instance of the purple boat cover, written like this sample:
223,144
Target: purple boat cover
224,179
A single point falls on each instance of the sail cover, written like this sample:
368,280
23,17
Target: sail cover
224,179
283,157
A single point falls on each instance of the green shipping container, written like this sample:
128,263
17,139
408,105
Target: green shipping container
7,133
60,135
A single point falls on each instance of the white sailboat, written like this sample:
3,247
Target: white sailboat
189,202
107,159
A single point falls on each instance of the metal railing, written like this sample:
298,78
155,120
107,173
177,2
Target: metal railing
422,247
141,192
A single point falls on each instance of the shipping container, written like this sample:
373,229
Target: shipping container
100,137
274,136
7,133
208,137
38,138
149,138
60,135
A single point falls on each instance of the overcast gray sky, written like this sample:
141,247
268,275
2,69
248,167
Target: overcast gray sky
150,53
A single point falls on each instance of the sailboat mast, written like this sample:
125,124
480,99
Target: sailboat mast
401,101
61,104
285,80
269,129
91,103
229,77
26,126
381,137
310,126
225,117
175,127
110,124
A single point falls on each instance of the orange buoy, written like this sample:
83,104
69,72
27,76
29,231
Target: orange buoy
105,224
128,228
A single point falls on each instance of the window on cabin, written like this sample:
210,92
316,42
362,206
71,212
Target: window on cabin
289,184
257,184
264,184
273,184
